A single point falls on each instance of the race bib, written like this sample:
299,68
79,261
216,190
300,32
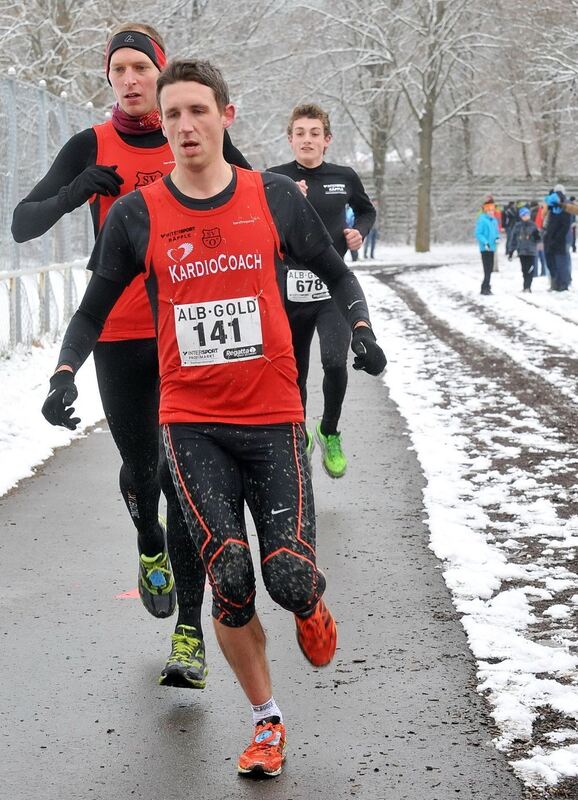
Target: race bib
304,286
219,332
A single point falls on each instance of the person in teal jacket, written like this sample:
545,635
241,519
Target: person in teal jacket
488,235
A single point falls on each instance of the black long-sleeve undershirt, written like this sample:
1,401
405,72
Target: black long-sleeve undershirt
330,187
120,253
41,209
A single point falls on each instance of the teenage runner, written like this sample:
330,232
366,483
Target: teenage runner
97,165
329,188
230,407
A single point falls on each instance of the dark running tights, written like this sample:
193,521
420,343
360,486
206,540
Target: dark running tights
334,337
127,375
217,469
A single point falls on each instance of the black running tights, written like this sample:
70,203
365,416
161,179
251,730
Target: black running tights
217,469
334,337
127,375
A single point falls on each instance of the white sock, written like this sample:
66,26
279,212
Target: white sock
268,709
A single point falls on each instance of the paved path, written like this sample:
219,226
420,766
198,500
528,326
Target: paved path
395,717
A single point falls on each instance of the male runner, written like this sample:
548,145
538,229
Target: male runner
209,240
329,188
96,165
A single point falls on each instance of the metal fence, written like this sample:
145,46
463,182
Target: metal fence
34,125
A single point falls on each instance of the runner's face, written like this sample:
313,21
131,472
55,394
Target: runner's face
134,81
308,141
194,124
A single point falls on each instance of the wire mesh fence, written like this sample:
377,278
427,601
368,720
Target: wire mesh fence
34,125
36,302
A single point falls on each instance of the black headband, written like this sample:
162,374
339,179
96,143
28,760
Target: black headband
136,41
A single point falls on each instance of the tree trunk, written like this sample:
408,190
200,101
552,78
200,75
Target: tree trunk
424,181
521,127
379,136
467,133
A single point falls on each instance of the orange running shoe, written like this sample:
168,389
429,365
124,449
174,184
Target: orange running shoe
317,635
266,753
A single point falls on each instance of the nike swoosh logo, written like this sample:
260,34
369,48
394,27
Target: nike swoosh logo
354,303
276,511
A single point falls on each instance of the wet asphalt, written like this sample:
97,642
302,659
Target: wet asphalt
395,717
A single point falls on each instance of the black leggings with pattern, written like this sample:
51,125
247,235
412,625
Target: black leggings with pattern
219,467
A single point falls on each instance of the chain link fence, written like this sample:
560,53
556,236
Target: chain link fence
38,285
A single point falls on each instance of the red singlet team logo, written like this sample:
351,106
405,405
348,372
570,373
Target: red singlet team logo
146,178
212,237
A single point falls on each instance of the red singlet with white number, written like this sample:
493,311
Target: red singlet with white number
225,349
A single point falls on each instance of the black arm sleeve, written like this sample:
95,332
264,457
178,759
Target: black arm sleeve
46,204
232,155
301,231
85,326
119,252
362,206
343,286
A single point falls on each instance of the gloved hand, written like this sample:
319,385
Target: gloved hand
486,247
93,180
368,354
62,394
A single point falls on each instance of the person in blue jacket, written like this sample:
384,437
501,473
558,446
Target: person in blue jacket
487,234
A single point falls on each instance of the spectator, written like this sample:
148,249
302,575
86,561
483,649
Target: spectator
509,221
372,236
487,234
540,266
557,226
573,225
524,238
350,223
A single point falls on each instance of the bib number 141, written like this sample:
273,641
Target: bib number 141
219,332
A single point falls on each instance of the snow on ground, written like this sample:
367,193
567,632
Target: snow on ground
501,479
501,490
26,439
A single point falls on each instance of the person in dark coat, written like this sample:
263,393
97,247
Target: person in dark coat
509,220
555,239
524,239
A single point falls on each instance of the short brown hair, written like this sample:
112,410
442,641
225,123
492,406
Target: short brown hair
310,111
180,69
138,26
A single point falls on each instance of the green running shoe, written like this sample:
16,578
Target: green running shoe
186,666
332,456
310,446
156,584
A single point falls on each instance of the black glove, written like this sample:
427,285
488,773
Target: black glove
93,180
62,394
368,354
